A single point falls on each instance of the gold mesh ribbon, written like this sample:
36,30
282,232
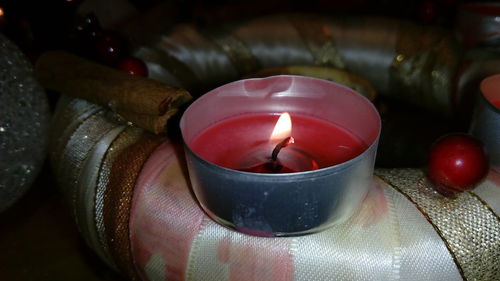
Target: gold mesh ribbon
423,70
121,142
118,199
85,192
319,39
468,226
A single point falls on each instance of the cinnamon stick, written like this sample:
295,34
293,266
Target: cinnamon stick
78,77
151,123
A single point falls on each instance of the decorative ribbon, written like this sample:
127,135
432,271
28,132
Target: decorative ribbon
467,225
118,199
423,70
182,73
239,54
126,138
172,239
319,38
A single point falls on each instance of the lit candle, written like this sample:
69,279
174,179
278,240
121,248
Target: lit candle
280,138
250,174
243,143
3,21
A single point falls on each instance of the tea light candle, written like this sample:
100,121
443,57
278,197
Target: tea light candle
485,123
251,175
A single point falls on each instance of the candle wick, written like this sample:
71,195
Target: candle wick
279,146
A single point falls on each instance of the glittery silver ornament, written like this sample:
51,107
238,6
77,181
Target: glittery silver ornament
24,123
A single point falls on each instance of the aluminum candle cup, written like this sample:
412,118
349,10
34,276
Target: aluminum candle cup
478,23
486,119
284,204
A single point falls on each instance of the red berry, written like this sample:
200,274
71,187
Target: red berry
457,162
110,47
133,66
88,27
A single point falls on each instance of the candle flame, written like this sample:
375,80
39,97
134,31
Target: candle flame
282,129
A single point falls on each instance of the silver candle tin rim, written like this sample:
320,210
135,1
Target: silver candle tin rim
345,163
318,172
485,123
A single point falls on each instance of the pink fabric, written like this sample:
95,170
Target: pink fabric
164,217
256,259
166,220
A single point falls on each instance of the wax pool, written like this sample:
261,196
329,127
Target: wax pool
241,142
496,103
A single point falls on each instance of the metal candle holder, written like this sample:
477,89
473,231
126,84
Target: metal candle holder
486,119
282,204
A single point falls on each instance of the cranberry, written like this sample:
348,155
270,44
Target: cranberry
88,27
133,66
110,47
457,162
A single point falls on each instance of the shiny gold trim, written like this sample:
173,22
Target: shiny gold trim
426,216
486,205
118,200
468,227
120,142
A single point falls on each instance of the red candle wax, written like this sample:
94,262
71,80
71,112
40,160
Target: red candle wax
496,103
242,142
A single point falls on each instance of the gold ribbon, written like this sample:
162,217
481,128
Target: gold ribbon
126,138
467,225
118,199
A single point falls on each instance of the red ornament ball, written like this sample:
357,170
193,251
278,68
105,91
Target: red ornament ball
457,162
133,66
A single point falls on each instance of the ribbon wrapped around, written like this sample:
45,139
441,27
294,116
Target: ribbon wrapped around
130,193
131,200
414,63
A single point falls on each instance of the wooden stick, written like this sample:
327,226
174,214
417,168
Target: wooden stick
78,77
154,124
